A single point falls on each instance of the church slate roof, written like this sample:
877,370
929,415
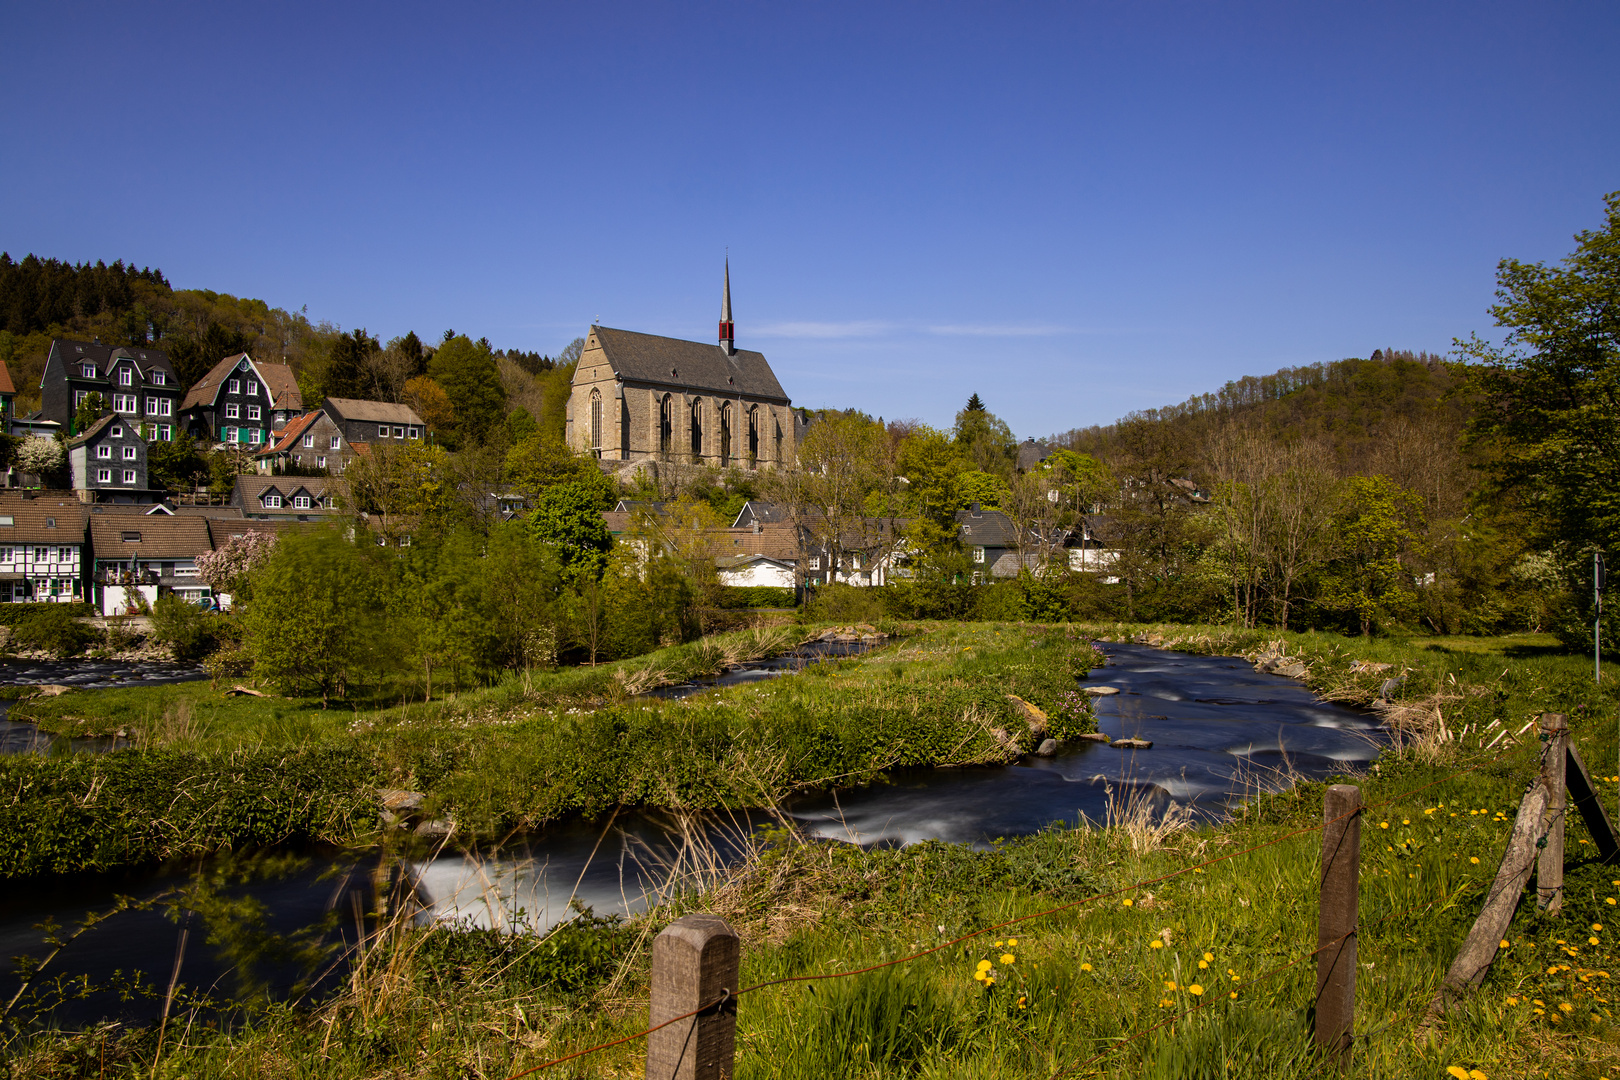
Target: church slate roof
688,365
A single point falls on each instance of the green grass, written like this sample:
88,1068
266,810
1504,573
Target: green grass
1084,979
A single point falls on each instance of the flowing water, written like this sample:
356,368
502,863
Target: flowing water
1221,732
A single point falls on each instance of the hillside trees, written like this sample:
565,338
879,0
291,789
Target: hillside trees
471,380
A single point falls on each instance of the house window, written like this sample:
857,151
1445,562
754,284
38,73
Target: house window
252,388
103,476
159,379
272,502
815,562
233,412
309,441
117,432
253,412
41,554
404,541
87,370
281,418
64,554
78,398
126,403
129,476
230,435
399,433
413,433
129,453
235,387
165,407
5,554
152,406
165,433
978,554
337,441
126,377
382,431
254,436
320,462
300,502
104,452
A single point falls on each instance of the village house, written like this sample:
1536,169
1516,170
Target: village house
241,401
311,442
644,398
8,397
287,498
42,549
141,557
383,422
136,382
108,462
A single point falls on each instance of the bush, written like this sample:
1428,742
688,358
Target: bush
51,628
756,596
12,614
190,632
845,603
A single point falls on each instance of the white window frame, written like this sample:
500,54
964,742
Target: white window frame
117,432
230,435
165,406
103,476
159,379
252,389
78,398
104,452
126,377
320,462
300,502
130,454
337,443
87,371
152,406
234,386
255,437
271,502
978,555
129,476
253,413
413,432
165,433
382,431
233,411
309,442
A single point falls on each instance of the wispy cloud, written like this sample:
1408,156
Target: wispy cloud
1016,330
859,328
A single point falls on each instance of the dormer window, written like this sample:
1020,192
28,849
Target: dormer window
87,370
159,379
126,377
272,502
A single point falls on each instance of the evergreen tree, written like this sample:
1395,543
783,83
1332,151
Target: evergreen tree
346,375
974,404
471,379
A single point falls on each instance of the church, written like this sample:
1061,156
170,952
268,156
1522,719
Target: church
640,397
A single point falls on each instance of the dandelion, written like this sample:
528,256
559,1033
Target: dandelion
1085,967
999,944
1165,1003
989,980
1155,944
1203,964
1012,943
1127,902
1512,1000
1406,821
1195,990
1474,859
1609,900
984,965
1475,1074
1383,824
1458,1071
1022,1001
1429,810
1169,984
980,975
1591,941
1209,957
1504,943
1566,1007
1233,995
1537,1001
1598,927
1008,958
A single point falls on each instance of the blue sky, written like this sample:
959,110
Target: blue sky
1073,210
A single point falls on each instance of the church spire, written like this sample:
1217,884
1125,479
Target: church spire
728,334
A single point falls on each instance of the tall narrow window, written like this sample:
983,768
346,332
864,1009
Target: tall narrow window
666,426
696,428
725,434
596,422
753,438
777,455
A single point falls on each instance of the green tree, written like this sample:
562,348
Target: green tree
1549,403
91,409
175,464
985,439
347,366
568,519
1378,522
471,379
930,464
540,461
313,625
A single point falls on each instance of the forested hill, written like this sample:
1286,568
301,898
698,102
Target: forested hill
1356,409
120,304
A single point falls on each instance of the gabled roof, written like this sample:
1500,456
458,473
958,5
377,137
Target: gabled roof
1031,454
31,520
754,510
372,412
72,352
250,490
93,431
223,530
122,537
6,386
277,378
291,434
987,528
673,362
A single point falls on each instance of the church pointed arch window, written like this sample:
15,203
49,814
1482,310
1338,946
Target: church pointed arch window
753,438
725,434
695,426
596,423
666,426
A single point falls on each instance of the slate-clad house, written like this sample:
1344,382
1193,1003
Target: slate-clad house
641,397
146,555
374,422
108,461
310,441
42,550
241,401
136,382
287,498
8,395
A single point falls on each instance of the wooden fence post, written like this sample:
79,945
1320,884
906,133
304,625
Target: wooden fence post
1336,926
1550,861
695,962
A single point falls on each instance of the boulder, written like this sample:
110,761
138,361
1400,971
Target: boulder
1372,667
1132,744
52,690
1093,736
1101,691
441,827
1048,748
396,799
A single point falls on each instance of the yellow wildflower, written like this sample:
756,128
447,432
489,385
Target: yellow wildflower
1504,943
1383,824
1155,944
984,965
1233,995
1566,1006
1474,859
1127,902
1203,964
1195,990
980,976
1598,927
1210,957
1012,943
1169,984
1085,967
1512,1000
1458,1071
1475,1074
1591,941
1008,958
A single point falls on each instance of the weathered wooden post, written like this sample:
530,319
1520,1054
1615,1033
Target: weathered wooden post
1550,861
1336,927
695,962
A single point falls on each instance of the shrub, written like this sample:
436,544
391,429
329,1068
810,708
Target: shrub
51,628
190,632
756,596
844,603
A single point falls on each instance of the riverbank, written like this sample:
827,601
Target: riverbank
210,772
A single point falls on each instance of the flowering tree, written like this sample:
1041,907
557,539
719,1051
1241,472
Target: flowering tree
37,455
224,568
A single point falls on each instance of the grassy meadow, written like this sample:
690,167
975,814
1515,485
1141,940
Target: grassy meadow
1156,916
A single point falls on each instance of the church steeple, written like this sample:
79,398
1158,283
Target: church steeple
728,333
